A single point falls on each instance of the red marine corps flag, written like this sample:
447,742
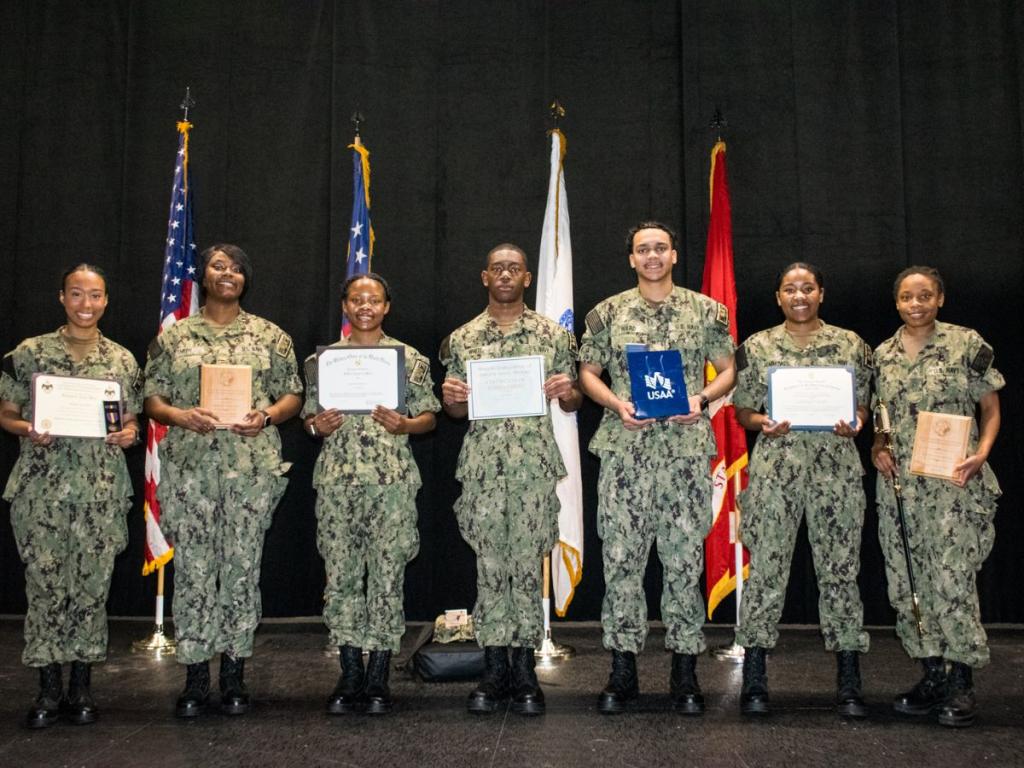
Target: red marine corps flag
724,556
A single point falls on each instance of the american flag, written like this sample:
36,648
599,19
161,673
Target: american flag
179,298
360,233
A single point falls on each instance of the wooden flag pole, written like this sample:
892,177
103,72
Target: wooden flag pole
550,653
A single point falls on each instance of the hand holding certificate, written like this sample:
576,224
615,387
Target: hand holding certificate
70,406
506,387
812,398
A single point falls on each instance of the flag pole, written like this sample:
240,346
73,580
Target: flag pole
550,653
158,642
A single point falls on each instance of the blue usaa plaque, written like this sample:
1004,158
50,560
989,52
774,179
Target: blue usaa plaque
656,380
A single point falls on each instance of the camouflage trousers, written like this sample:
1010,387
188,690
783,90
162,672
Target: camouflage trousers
366,531
643,499
68,550
218,525
772,507
951,533
510,526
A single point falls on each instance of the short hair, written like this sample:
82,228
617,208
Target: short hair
930,272
84,267
233,252
508,247
367,276
649,224
819,276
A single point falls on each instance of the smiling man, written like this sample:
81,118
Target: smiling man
509,467
655,481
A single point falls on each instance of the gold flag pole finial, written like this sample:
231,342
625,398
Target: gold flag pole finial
357,119
557,112
718,124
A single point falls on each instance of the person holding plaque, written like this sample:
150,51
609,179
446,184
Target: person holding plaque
509,467
366,482
655,480
802,472
931,367
69,498
219,485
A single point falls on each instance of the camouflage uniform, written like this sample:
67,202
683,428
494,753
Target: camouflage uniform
655,483
218,491
68,507
817,474
950,528
366,481
508,510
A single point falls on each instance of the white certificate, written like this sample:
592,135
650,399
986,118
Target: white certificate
506,387
812,397
69,406
358,379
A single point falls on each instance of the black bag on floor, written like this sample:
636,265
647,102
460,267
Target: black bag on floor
449,662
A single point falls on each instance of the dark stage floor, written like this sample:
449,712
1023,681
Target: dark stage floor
291,675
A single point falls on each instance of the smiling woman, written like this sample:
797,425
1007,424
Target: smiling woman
220,485
69,497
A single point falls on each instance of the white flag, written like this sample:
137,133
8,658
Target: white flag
554,300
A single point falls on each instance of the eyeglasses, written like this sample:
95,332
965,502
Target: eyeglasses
497,269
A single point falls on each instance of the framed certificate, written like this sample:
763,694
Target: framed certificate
358,379
812,398
71,406
227,391
940,443
506,387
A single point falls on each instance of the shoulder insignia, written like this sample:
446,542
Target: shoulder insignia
155,348
741,358
312,368
723,315
284,345
419,372
8,366
573,345
869,356
446,347
982,360
595,323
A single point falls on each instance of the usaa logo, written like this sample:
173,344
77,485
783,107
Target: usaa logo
658,387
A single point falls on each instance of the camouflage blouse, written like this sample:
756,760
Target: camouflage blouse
361,451
172,371
522,449
696,325
72,468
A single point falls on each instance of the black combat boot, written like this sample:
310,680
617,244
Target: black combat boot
849,699
754,696
493,687
377,694
527,697
957,711
346,694
234,696
79,707
193,699
622,686
46,708
928,694
683,686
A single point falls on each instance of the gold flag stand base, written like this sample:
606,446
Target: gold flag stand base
551,654
732,652
158,644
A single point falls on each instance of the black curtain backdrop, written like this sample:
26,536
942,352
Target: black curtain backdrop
862,137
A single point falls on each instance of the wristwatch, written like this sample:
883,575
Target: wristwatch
704,401
267,421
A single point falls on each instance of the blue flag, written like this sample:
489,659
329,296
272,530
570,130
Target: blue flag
360,233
